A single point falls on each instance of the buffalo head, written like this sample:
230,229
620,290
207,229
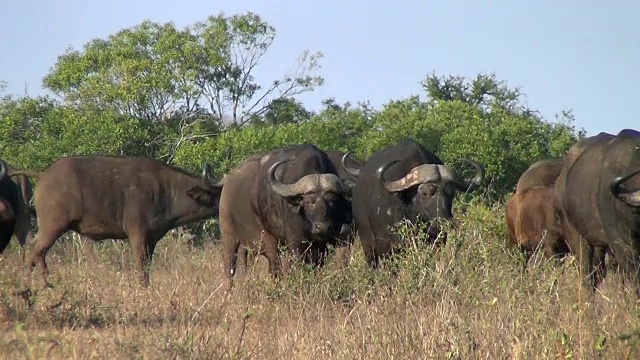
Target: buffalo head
207,193
317,197
631,198
427,190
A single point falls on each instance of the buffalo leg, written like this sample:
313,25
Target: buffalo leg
551,247
232,248
599,255
43,241
6,231
583,253
367,240
272,254
23,229
143,248
230,241
243,256
241,253
585,259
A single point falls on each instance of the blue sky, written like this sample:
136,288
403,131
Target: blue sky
583,55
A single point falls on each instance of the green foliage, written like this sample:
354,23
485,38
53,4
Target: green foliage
153,70
283,111
183,85
188,96
397,120
37,131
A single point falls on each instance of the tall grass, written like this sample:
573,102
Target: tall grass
467,298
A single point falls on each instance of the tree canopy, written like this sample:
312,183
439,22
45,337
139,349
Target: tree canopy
189,96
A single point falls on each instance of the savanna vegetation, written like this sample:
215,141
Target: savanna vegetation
188,96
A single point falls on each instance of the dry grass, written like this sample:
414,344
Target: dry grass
464,300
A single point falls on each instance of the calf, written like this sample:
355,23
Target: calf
532,220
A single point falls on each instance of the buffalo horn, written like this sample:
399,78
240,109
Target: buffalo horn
418,175
350,170
305,185
222,180
429,173
614,186
462,185
206,170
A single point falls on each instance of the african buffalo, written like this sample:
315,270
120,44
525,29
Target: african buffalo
404,181
530,213
532,220
108,197
598,193
16,194
540,173
286,197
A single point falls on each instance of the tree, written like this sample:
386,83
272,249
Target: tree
170,78
484,91
486,119
22,121
34,132
283,111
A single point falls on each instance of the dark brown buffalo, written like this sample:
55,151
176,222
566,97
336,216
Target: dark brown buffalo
104,197
404,181
287,197
541,173
533,221
598,193
16,193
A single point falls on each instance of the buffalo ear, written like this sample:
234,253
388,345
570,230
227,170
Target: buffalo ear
347,186
632,199
203,196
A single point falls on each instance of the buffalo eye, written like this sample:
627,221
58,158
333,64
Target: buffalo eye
330,197
449,188
428,189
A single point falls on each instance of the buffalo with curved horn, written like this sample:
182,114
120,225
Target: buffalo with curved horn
404,181
289,197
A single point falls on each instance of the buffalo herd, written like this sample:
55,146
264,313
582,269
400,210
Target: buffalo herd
300,200
586,204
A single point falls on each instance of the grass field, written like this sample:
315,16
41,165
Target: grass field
466,299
